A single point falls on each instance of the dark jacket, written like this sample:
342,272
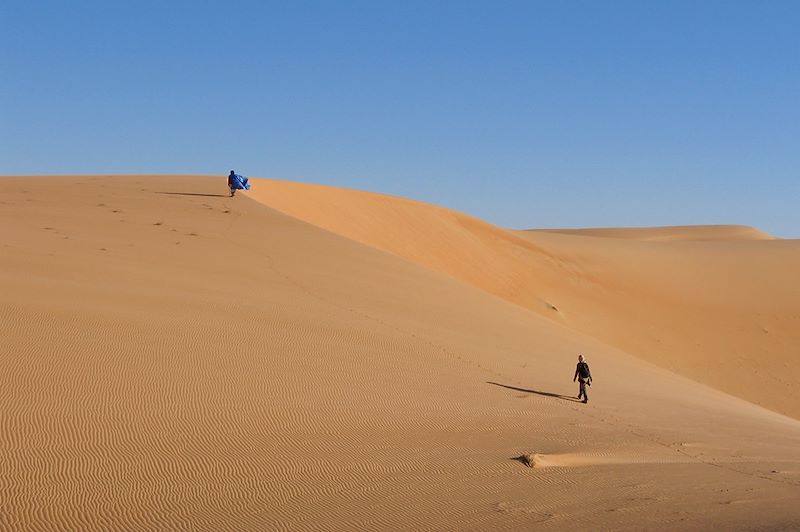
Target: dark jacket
582,367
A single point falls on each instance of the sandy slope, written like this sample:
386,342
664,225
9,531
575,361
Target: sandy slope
719,304
173,358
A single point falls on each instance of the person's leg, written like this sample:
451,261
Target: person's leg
583,390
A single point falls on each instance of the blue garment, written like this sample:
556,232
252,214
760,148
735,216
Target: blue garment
238,182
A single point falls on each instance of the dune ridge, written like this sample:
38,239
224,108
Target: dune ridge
177,359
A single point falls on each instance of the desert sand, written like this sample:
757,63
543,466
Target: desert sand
309,358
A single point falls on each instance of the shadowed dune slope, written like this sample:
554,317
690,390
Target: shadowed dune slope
176,359
718,304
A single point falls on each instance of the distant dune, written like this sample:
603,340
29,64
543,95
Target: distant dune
675,232
303,358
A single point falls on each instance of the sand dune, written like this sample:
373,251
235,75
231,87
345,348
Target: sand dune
177,359
719,304
668,233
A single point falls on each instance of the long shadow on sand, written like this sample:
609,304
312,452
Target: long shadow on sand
194,194
537,392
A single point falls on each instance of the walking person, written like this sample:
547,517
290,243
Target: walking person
584,377
237,182
231,181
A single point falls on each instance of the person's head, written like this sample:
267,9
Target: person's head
580,358
232,172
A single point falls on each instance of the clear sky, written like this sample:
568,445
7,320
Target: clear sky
526,114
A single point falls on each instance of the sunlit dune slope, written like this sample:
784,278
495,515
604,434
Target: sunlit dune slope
719,304
174,359
677,232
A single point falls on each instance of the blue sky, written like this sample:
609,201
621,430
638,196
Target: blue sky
527,114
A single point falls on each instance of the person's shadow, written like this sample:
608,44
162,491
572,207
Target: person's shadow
194,194
537,392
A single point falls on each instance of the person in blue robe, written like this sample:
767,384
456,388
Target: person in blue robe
237,182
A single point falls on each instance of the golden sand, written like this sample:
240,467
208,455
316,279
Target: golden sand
301,357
